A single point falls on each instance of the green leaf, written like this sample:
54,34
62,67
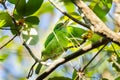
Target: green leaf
20,7
32,20
101,7
16,15
30,36
69,6
67,3
26,9
2,23
59,78
99,11
74,74
39,66
115,64
118,60
3,57
13,1
5,19
32,6
116,67
14,30
45,7
3,38
118,78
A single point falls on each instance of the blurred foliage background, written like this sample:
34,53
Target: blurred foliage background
15,61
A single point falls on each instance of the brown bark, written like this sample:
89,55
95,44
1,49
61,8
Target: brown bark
117,14
98,26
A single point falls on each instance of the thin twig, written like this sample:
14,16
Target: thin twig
24,43
114,50
71,17
76,78
31,70
8,42
16,26
30,51
93,58
4,5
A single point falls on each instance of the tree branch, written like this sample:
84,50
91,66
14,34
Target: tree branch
61,61
30,52
99,26
69,16
93,58
8,41
31,70
18,33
